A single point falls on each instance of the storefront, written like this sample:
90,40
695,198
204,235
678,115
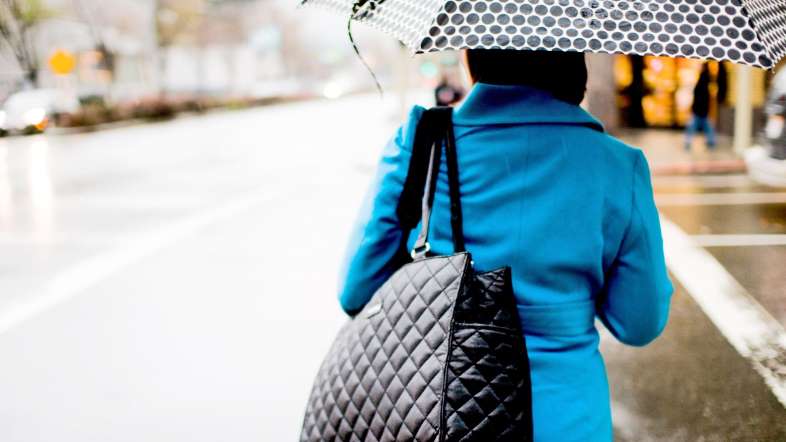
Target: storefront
658,91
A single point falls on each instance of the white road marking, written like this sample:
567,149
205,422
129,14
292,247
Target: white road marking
739,240
705,181
720,199
89,272
750,329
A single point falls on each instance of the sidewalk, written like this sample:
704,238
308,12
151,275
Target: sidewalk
666,154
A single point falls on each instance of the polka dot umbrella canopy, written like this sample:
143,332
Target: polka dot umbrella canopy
751,32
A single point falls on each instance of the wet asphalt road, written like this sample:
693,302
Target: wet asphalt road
761,269
174,282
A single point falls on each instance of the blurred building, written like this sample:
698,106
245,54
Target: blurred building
126,49
658,91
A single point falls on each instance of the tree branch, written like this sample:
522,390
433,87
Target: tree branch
17,20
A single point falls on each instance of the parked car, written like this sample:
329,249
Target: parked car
767,162
32,111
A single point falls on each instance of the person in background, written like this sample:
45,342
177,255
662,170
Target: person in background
700,120
722,80
445,94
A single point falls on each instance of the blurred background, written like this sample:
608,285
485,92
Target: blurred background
178,178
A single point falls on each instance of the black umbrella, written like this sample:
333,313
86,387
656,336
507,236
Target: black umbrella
751,32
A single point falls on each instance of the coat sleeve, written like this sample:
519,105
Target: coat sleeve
635,305
376,236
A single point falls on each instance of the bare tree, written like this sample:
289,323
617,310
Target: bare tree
88,16
18,19
178,20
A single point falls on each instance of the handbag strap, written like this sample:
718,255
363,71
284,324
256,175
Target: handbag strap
409,206
456,213
434,129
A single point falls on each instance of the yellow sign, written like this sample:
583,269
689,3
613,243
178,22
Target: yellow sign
62,62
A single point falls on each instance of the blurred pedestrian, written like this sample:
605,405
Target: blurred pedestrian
700,109
447,94
635,93
722,80
546,191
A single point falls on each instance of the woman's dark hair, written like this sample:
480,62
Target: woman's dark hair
563,74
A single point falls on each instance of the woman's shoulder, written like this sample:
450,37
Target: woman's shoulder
614,151
615,163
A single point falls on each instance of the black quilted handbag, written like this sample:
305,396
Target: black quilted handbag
438,353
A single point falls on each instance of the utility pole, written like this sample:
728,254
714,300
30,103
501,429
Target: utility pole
743,110
157,55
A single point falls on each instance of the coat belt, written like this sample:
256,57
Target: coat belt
569,319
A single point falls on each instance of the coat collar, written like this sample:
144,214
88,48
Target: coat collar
488,104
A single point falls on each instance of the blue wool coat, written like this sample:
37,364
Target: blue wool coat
569,208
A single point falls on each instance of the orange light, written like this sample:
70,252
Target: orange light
43,124
62,62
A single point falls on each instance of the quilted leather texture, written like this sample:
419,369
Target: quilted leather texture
436,355
384,376
489,394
